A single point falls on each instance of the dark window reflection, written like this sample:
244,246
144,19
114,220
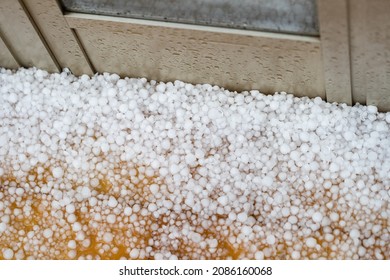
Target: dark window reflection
287,16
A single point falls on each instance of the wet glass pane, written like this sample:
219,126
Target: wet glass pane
287,16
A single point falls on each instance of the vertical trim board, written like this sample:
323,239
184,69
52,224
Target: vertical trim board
334,36
49,18
22,38
7,60
358,46
378,53
370,52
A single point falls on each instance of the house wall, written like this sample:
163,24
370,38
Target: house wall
348,62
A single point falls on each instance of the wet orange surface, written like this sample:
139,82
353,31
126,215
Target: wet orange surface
41,215
33,212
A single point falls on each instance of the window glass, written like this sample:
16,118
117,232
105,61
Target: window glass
287,16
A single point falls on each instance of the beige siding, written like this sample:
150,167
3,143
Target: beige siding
7,60
334,26
237,60
370,51
62,41
22,37
349,62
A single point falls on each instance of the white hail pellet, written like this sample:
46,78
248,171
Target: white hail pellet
271,239
295,255
317,217
128,211
70,208
196,237
8,254
71,218
242,217
158,256
58,172
72,254
86,192
311,242
47,233
223,200
364,200
334,217
108,237
112,202
334,167
354,234
267,181
134,253
72,244
152,207
285,149
372,109
111,219
76,226
304,136
3,227
259,255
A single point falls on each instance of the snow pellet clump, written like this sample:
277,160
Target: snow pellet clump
103,167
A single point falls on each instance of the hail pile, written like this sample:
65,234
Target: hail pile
103,167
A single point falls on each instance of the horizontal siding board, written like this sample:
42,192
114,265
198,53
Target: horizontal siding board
237,60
